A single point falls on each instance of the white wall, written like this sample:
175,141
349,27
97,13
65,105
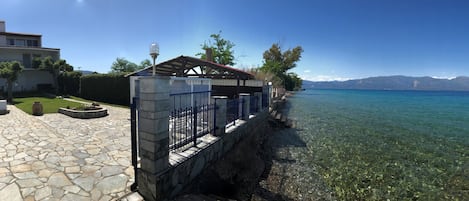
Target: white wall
28,80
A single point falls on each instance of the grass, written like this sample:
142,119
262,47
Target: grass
101,103
49,105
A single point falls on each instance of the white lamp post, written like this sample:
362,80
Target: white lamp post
154,52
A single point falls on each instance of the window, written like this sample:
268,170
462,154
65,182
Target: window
32,43
11,41
20,42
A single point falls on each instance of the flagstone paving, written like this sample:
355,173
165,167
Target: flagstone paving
56,157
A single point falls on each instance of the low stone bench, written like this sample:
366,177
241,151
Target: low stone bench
84,114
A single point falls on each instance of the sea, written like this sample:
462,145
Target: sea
379,145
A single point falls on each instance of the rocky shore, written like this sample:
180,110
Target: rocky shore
265,166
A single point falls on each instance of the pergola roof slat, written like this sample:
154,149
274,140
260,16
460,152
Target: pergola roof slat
185,64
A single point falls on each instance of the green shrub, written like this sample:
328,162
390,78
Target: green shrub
108,88
69,83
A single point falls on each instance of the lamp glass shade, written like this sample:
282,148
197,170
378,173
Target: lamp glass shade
154,49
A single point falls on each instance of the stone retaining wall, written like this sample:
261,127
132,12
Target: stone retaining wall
163,174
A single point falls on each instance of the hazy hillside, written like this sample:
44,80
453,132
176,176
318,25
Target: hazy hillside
394,83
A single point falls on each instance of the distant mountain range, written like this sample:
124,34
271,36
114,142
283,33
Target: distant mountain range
394,83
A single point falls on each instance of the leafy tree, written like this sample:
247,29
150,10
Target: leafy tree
278,63
143,64
55,68
37,61
10,71
123,65
222,50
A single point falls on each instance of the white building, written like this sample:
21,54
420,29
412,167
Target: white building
24,47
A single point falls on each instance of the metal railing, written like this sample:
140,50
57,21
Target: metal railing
233,107
265,100
191,117
253,104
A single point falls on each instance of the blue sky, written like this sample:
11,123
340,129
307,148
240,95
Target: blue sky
342,39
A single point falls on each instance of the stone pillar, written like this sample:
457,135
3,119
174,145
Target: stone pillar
245,106
153,130
259,100
220,114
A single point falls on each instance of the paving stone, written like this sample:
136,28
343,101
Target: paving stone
21,168
20,155
29,198
111,170
57,192
95,194
38,165
25,183
27,191
74,169
45,173
4,170
25,175
59,180
74,197
94,151
85,182
112,184
11,193
43,193
17,162
105,198
73,176
44,155
73,189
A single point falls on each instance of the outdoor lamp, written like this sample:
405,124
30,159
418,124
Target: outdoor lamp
154,52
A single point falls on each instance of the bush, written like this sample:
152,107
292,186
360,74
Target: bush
69,83
109,88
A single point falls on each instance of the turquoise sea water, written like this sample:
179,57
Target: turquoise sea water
378,145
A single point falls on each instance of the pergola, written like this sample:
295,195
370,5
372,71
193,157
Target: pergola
184,66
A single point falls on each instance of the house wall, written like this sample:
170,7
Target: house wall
28,81
16,54
3,40
2,26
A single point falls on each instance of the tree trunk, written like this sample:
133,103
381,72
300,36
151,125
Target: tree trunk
10,92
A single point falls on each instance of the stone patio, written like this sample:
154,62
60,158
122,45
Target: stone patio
56,157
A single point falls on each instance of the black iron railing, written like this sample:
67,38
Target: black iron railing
253,104
233,113
191,117
265,100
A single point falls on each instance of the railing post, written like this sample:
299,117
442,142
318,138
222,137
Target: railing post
245,106
220,114
133,139
259,101
194,122
153,131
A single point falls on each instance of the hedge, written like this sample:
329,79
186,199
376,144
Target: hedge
69,83
109,88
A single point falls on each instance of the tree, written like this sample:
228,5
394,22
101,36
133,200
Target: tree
10,71
222,50
143,64
123,65
278,63
55,68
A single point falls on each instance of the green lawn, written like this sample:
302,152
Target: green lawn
101,103
49,105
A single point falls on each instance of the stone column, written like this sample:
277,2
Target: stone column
153,130
259,100
245,106
220,114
